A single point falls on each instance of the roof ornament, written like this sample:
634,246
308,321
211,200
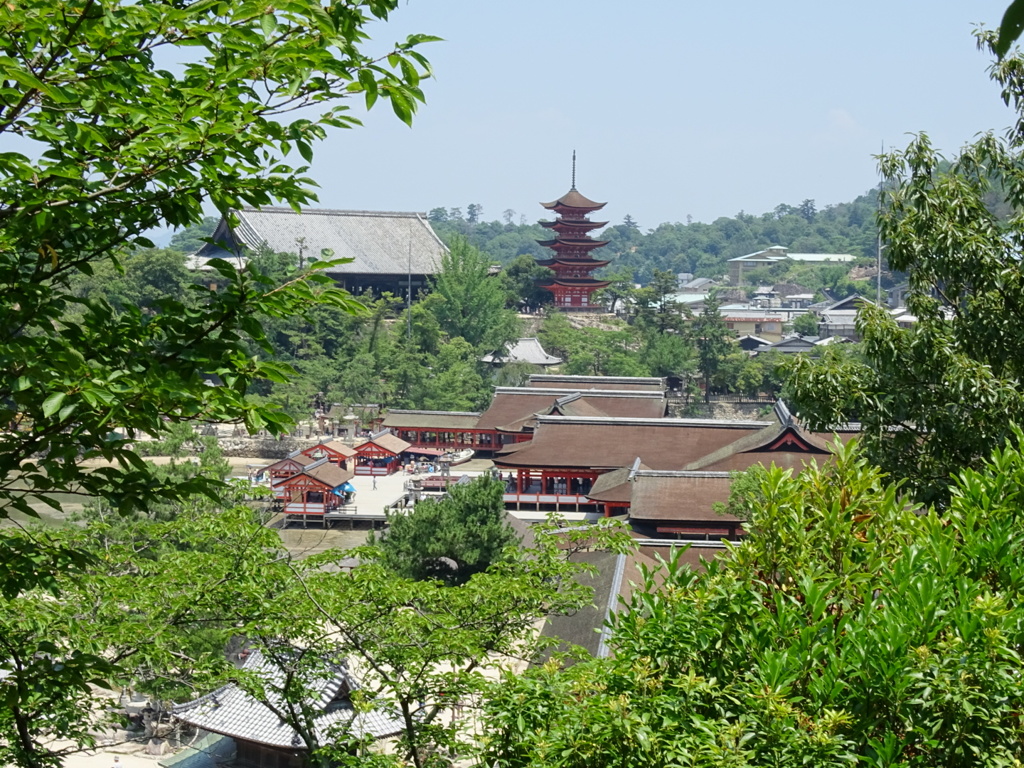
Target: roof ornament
574,169
633,470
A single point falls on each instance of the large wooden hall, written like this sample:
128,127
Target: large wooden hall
588,447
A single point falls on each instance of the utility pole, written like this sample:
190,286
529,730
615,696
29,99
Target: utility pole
409,308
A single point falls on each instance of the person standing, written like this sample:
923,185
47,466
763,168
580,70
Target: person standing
374,486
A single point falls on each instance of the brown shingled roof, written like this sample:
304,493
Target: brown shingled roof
300,459
613,486
679,496
337,446
562,441
440,420
785,446
514,408
329,474
580,383
388,442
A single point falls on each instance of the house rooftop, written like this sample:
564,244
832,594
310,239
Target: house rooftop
231,711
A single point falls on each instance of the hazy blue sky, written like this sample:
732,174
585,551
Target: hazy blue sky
675,107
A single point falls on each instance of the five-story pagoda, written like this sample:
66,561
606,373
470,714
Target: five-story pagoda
572,263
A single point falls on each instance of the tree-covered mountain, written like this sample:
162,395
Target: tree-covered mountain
696,247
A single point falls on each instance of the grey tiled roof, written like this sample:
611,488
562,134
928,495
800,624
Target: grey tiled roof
231,711
378,242
528,350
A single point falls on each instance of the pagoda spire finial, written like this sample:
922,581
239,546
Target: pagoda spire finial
574,169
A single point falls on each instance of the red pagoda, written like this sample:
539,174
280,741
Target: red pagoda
572,263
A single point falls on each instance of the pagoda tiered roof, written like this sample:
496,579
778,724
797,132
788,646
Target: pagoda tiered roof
580,282
562,224
583,242
573,200
567,262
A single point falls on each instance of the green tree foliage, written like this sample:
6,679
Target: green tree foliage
122,143
620,290
656,306
141,278
192,238
499,241
696,247
939,396
712,339
611,350
473,301
129,145
806,324
1010,28
519,279
143,605
452,538
154,605
848,628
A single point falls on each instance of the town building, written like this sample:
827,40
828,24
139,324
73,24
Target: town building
740,266
261,737
744,321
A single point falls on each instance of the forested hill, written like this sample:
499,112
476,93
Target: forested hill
695,246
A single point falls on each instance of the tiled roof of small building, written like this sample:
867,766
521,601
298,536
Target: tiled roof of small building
387,441
231,711
338,446
330,474
300,459
527,350
321,470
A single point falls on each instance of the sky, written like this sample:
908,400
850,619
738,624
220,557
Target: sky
675,108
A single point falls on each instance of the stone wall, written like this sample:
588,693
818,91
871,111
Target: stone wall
723,411
265,447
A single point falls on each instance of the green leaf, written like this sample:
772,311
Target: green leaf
268,23
1010,28
52,403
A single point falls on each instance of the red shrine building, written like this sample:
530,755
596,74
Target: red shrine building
572,284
